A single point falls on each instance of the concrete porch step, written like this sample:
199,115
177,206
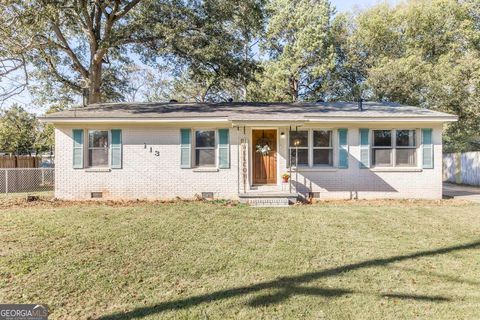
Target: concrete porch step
268,199
267,202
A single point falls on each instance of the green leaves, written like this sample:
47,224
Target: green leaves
425,53
18,130
83,46
298,41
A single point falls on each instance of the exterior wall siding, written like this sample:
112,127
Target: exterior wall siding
143,175
146,176
371,183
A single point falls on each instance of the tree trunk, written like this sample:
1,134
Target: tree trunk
294,88
244,77
95,80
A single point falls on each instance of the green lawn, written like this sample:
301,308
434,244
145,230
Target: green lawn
359,260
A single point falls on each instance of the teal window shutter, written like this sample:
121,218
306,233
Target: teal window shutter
343,149
223,149
364,148
77,148
427,149
116,149
185,148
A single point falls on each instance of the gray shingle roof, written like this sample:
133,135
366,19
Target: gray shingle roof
238,111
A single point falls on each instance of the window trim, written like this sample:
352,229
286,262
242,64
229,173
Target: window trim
415,147
393,147
331,147
300,148
87,147
310,149
194,148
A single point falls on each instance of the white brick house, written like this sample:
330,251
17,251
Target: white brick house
168,150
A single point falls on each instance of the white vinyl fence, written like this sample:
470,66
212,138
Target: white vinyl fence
462,168
26,180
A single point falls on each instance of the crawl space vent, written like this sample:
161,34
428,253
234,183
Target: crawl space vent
207,195
96,195
314,195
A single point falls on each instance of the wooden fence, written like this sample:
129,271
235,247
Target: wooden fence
20,162
462,168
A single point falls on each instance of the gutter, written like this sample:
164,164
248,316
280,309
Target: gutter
263,122
383,119
129,120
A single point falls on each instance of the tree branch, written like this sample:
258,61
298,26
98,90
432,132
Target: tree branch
59,77
66,47
127,8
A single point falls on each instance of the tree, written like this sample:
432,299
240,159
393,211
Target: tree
82,46
147,84
190,87
18,130
298,41
208,75
346,81
45,135
426,53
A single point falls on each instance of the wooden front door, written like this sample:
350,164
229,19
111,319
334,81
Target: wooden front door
264,165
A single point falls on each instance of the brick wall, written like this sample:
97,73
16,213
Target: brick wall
145,176
391,183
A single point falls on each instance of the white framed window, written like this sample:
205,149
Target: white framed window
299,148
312,148
205,148
405,148
394,148
322,148
382,148
98,148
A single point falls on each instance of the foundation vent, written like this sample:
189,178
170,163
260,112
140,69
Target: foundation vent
96,195
314,195
207,195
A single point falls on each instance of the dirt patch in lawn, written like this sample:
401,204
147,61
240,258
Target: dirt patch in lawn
49,202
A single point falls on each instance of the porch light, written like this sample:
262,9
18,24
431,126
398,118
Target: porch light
282,134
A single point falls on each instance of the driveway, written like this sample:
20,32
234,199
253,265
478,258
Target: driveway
456,191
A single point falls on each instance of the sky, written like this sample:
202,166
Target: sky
24,99
350,5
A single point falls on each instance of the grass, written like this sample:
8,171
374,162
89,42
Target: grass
346,260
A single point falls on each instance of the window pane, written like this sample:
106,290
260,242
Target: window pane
406,157
382,138
302,157
406,138
298,138
322,138
98,157
205,139
98,139
205,157
322,157
382,157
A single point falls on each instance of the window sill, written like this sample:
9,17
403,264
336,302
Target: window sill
396,169
98,170
315,169
205,170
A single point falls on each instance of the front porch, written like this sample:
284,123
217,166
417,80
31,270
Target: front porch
262,160
269,195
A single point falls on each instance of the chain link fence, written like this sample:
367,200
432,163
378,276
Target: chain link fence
19,181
